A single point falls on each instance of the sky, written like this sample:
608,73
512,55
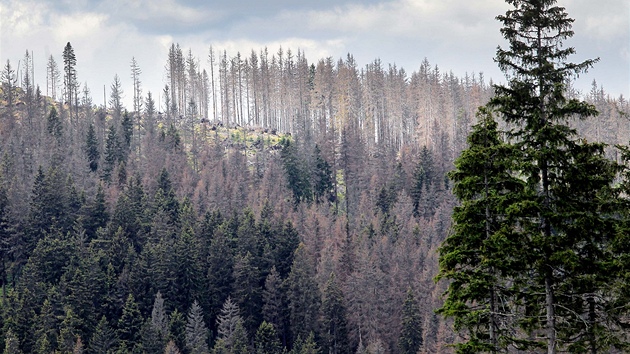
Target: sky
456,35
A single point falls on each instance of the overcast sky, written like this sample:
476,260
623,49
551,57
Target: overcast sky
457,35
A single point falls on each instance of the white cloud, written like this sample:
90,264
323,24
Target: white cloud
20,17
600,22
159,12
78,26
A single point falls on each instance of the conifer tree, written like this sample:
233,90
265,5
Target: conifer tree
545,252
54,126
6,236
171,348
305,346
104,338
129,324
196,331
70,81
159,320
273,309
126,125
8,80
247,293
112,155
91,148
322,178
266,341
475,254
11,343
95,214
410,339
177,329
302,295
232,336
334,319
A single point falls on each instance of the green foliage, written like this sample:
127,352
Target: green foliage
295,173
334,318
54,126
266,341
177,329
247,292
423,178
305,346
104,338
126,125
274,303
530,251
129,324
322,178
410,339
302,295
113,153
482,244
11,343
95,215
91,148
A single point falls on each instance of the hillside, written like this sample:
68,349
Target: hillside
312,197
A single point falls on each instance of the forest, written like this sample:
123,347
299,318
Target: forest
265,204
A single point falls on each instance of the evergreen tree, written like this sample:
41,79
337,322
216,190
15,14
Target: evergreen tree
70,81
150,339
46,329
477,256
302,295
240,340
274,304
129,324
423,176
68,331
322,178
7,243
177,329
166,203
126,125
226,322
50,208
266,341
159,320
196,331
104,338
11,343
9,94
246,291
410,339
91,148
53,124
334,318
305,346
113,153
554,234
220,268
95,215
296,177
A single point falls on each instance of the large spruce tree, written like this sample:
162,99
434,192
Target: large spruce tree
530,268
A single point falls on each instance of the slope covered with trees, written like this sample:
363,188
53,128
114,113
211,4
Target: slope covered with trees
264,203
